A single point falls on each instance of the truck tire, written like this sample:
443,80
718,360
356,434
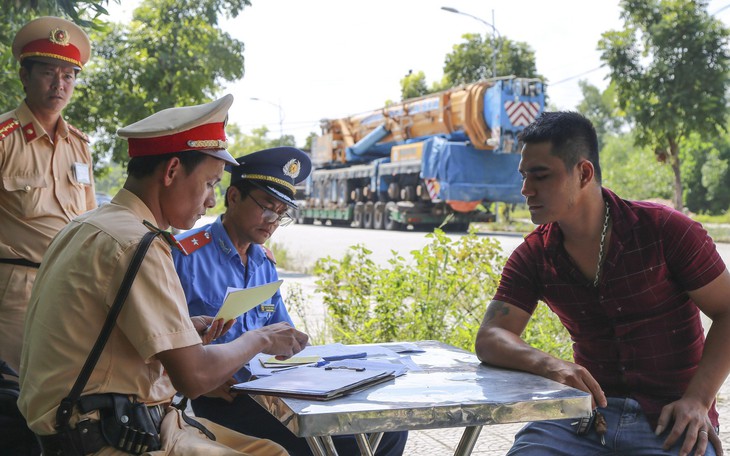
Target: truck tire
379,216
343,193
357,215
390,224
394,191
367,216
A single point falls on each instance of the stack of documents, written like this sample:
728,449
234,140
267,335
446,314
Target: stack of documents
316,383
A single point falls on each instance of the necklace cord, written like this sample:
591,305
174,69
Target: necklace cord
606,219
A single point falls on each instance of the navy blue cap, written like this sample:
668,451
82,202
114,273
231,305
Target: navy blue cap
275,171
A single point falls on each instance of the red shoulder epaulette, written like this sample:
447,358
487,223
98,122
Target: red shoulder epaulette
78,133
196,241
269,254
8,127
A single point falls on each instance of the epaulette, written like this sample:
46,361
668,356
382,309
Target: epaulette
78,132
166,235
196,241
8,127
269,254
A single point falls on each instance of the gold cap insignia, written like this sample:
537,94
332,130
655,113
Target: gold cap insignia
59,37
292,168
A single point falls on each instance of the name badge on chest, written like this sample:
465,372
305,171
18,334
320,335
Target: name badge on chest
81,173
267,307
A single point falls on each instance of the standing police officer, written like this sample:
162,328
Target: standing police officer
45,165
230,253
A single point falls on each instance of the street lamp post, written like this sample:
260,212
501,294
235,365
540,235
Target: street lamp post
281,116
494,32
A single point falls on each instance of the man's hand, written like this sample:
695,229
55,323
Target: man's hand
281,339
210,330
688,415
224,391
578,377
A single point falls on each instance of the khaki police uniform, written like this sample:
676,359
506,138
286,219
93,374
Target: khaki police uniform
46,181
77,283
80,276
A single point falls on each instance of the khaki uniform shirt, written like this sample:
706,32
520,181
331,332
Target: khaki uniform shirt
45,183
75,287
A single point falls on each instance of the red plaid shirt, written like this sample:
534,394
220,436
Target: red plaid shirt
638,332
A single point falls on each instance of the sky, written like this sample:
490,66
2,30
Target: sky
306,60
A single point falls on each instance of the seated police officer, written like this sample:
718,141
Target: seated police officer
230,253
154,348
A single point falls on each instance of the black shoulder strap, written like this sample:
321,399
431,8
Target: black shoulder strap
63,414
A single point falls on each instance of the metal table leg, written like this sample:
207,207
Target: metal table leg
468,440
375,439
317,446
364,444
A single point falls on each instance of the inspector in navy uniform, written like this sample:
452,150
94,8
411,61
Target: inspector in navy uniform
216,260
213,264
230,253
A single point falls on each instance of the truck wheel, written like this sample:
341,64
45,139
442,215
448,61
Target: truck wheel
343,193
390,224
394,191
367,217
379,215
357,215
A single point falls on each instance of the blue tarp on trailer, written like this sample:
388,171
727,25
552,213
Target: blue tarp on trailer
468,174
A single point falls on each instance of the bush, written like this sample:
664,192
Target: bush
441,296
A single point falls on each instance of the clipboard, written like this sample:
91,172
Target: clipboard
242,300
315,383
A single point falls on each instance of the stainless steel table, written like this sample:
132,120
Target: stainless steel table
453,390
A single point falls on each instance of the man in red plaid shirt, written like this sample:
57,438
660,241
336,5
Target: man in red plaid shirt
628,281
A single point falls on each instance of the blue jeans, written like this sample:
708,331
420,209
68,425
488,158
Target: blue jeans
629,433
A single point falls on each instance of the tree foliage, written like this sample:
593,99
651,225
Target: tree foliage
601,109
472,60
441,295
620,160
669,66
171,54
413,85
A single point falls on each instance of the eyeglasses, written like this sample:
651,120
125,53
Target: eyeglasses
270,216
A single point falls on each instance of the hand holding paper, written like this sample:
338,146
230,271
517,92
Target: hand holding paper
240,301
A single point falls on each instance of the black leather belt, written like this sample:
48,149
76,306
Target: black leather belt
88,437
20,262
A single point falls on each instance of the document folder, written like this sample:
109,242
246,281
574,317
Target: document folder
315,383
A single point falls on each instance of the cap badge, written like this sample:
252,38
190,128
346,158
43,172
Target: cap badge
59,37
208,143
292,168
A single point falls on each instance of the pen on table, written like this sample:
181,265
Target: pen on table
317,364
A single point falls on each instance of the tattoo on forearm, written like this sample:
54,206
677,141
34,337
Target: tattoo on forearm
496,308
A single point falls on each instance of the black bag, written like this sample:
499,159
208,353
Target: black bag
15,437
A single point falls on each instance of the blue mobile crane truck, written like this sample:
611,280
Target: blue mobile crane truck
447,154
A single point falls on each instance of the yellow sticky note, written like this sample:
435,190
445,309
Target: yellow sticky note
293,361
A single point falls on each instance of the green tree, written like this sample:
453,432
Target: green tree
670,66
15,14
600,108
172,53
413,85
472,60
620,160
705,172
